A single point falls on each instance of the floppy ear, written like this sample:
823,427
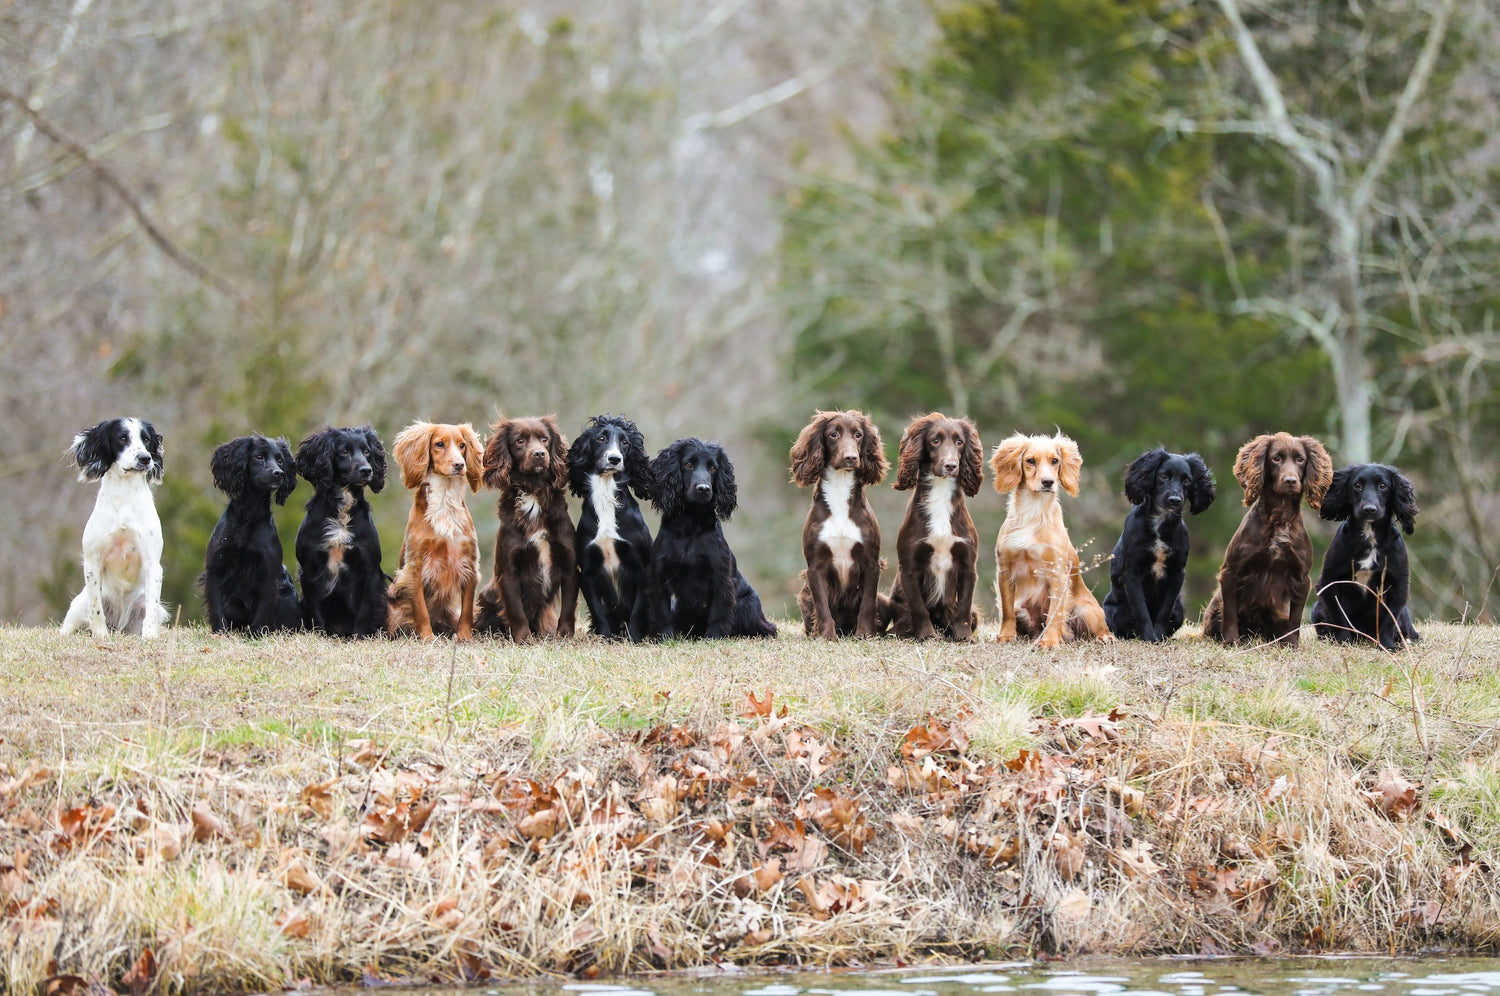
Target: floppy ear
807,453
1203,490
1406,501
666,482
1005,462
1336,506
1250,467
971,461
288,468
637,464
314,461
92,452
557,452
1319,472
473,466
497,463
726,493
229,465
375,453
579,462
1140,476
154,441
909,453
413,453
872,461
1072,463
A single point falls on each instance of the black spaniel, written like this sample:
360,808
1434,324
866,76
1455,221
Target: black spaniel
245,585
694,587
605,464
1150,560
1366,579
338,548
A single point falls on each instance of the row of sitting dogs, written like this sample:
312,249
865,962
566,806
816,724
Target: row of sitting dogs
686,582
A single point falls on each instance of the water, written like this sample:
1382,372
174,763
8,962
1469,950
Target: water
1161,977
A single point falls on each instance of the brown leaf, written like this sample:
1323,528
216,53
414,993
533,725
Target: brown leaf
138,980
1099,728
319,797
540,825
295,875
1393,795
937,737
761,708
294,923
838,816
1073,906
1136,860
163,840
65,985
207,826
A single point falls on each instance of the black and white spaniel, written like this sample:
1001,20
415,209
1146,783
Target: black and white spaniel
1366,579
338,548
605,464
1150,560
246,587
695,588
122,541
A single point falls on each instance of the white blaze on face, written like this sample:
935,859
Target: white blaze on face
839,533
938,507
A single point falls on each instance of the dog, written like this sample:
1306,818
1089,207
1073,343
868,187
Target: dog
1366,580
606,463
1149,562
338,547
122,541
839,454
438,570
694,587
937,545
1264,580
1037,573
534,591
246,587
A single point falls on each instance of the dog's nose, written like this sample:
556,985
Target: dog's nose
1047,485
364,473
613,459
458,466
702,490
143,461
1173,501
950,466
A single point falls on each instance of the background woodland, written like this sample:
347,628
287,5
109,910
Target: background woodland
1158,222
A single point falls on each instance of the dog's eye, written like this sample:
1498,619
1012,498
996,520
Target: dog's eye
1031,461
1381,485
441,443
1054,461
1299,458
688,464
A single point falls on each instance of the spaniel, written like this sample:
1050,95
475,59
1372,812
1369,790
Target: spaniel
839,454
433,590
534,591
694,587
937,545
338,547
1037,573
246,587
122,540
606,463
1263,582
1366,579
1149,563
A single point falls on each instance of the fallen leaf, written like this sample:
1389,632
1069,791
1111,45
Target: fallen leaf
1074,906
142,974
207,826
294,923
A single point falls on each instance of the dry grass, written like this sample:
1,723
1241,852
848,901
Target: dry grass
443,811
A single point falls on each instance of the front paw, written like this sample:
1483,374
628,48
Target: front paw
865,631
962,633
826,631
1049,640
565,629
924,632
425,633
99,631
522,634
1007,633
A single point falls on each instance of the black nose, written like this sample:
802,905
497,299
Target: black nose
142,461
363,473
613,459
276,474
1046,485
702,490
1173,501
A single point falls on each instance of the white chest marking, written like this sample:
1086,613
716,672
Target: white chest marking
938,508
530,508
602,498
447,513
123,534
337,535
1365,569
1159,550
839,533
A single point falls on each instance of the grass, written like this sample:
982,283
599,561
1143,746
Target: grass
258,812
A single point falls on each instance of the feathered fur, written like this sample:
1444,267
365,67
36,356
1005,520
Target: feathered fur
338,547
606,463
246,587
1366,579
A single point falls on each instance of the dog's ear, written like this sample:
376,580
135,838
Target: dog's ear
666,481
155,445
1250,467
910,452
230,465
1405,498
93,451
1140,476
1203,488
808,456
413,453
726,492
375,454
637,464
580,460
557,452
1336,506
1072,463
288,468
1319,473
473,464
971,461
1005,462
497,461
872,461
315,459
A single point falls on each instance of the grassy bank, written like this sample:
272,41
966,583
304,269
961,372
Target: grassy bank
256,813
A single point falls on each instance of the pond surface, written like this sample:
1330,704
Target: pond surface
1157,977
